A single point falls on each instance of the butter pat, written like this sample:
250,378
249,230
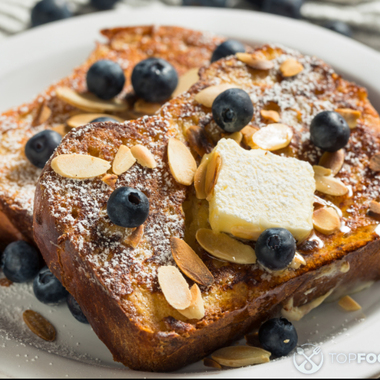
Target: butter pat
257,190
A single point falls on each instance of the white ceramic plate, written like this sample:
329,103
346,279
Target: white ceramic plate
31,61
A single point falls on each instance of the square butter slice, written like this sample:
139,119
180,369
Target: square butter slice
257,189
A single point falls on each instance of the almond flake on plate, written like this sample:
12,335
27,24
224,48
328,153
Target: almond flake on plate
135,236
143,156
196,310
207,96
255,62
200,179
374,207
290,68
326,220
272,137
351,116
123,161
110,180
85,118
349,304
374,162
208,362
333,161
185,81
270,115
39,325
212,173
241,356
330,185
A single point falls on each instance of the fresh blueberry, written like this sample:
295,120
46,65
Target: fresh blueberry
275,248
103,119
227,48
329,131
339,27
103,4
49,10
75,309
232,110
206,3
47,287
154,80
105,79
278,336
20,261
128,207
287,8
41,146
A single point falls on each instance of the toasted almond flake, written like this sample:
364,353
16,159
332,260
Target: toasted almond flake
297,261
349,304
255,62
333,161
190,263
174,287
207,96
236,136
273,137
89,102
123,161
330,185
318,202
211,363
212,173
196,310
351,116
39,325
374,162
143,156
181,162
146,108
374,207
270,115
321,171
185,81
241,356
110,180
79,166
196,138
61,129
134,238
326,220
290,68
85,118
247,133
244,232
225,247
200,179
44,114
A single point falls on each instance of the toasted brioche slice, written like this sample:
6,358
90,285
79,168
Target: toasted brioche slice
117,286
184,49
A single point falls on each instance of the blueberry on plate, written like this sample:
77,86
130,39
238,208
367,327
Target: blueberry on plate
128,207
287,8
227,48
49,10
20,262
232,110
154,80
278,336
103,119
75,309
275,248
103,4
41,146
339,27
47,288
329,131
105,79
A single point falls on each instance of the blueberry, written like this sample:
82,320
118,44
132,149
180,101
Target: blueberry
206,3
329,131
47,287
287,8
41,146
103,119
339,27
275,248
103,4
20,261
232,110
75,309
154,80
49,10
105,79
227,48
128,207
274,333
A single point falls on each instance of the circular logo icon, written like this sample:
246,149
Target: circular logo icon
308,359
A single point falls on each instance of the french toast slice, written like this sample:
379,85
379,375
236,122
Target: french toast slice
185,49
117,286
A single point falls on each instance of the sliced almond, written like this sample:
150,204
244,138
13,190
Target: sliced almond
330,185
374,162
134,238
85,118
212,173
123,161
110,180
61,129
351,116
174,287
181,162
44,114
143,156
89,102
244,232
225,247
241,356
349,304
290,68
208,362
255,62
273,137
374,207
326,220
247,133
196,310
297,261
79,166
333,161
236,136
269,115
196,138
321,171
39,325
146,108
190,263
207,96
185,81
200,179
